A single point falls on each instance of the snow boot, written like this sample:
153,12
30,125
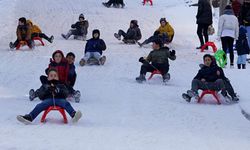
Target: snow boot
32,94
102,60
141,78
77,96
166,77
117,36
11,45
76,116
24,119
105,4
186,97
65,36
235,99
191,93
82,62
51,39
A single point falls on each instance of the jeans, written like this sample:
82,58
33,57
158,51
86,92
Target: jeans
248,34
242,59
95,55
198,84
49,102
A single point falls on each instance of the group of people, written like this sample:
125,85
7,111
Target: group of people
26,31
234,25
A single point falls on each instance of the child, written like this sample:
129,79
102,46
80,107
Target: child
23,33
115,3
159,58
59,63
242,48
72,77
36,32
94,48
165,32
79,29
132,35
54,94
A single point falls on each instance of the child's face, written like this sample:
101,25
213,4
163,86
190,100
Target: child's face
163,23
20,23
96,35
58,57
207,61
81,19
53,76
70,59
155,46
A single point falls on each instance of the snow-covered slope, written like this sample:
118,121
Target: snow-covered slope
118,113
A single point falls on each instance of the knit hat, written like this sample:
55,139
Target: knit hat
22,19
57,51
81,16
158,41
228,7
163,19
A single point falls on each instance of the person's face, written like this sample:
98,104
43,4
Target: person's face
58,57
53,76
81,19
207,61
163,23
20,23
131,25
70,59
96,35
155,46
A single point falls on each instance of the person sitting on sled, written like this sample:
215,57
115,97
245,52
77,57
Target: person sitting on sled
79,29
115,3
23,33
37,32
54,93
165,32
94,48
156,60
210,77
132,35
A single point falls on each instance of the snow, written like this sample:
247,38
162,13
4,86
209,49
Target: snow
118,113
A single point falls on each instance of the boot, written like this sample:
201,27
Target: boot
67,35
26,119
141,78
117,36
11,45
186,97
102,60
239,66
82,62
192,93
77,115
243,66
77,96
51,39
166,77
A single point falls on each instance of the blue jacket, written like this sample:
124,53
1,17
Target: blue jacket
242,44
95,45
72,75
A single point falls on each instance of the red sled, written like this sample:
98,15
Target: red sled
61,110
145,1
23,43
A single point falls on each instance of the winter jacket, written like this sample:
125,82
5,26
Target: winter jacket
210,73
33,28
133,33
236,7
81,27
244,17
160,56
95,45
62,69
72,75
46,90
228,22
242,46
204,13
23,32
166,29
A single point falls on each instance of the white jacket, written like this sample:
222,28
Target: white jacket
228,26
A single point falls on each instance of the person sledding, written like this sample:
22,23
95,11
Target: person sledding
93,50
79,29
37,32
165,32
60,63
115,3
132,35
156,60
210,77
23,33
54,93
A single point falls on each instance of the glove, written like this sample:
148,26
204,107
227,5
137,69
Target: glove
142,60
172,53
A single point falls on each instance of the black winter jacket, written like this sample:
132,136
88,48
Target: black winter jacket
204,13
242,46
81,27
244,18
210,73
60,91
